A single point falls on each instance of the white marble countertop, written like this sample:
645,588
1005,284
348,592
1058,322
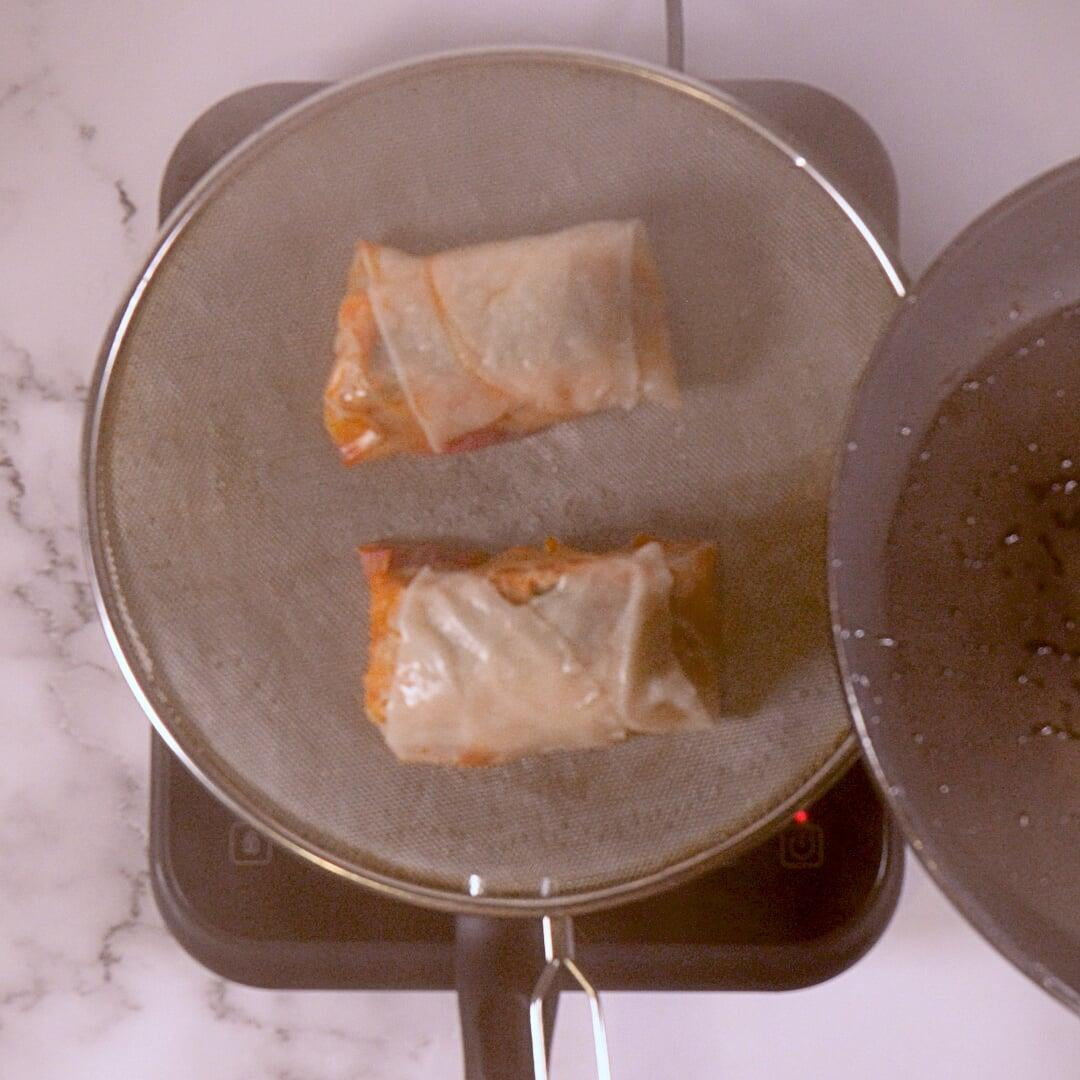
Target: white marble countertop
971,97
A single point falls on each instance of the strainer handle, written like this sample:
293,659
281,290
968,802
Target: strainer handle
498,961
559,957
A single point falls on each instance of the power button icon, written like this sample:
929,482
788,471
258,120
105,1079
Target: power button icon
248,846
802,846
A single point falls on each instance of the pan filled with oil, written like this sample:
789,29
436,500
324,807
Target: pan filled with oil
954,554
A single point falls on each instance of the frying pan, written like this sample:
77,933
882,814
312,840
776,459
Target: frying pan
221,530
952,725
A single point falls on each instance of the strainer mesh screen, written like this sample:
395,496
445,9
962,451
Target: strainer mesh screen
228,528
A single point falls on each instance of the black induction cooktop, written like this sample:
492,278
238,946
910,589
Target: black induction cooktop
798,909
795,911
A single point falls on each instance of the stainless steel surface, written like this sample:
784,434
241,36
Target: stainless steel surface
992,812
222,530
559,956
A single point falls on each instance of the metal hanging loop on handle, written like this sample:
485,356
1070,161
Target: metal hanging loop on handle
675,42
559,954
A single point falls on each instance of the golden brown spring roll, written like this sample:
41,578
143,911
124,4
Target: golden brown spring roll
477,659
468,347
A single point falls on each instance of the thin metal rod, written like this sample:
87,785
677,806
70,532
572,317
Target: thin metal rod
559,954
675,44
536,1019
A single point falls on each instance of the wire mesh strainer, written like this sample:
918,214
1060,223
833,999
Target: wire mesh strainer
222,529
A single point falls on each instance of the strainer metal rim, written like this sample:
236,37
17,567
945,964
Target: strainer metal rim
126,655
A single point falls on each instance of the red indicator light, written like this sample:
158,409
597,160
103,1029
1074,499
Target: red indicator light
801,817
